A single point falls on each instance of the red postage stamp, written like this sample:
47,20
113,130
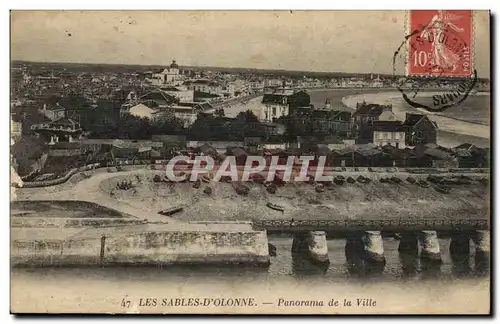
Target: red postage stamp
440,43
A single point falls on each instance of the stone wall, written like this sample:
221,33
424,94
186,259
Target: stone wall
340,170
169,247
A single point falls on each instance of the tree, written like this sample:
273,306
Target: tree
169,125
247,116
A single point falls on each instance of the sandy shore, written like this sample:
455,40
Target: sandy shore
448,126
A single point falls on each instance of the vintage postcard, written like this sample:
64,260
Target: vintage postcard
250,162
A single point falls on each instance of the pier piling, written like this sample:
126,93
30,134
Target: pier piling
481,241
313,244
430,250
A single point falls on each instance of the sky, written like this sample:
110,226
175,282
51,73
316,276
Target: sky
323,41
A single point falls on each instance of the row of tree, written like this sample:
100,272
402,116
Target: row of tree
205,127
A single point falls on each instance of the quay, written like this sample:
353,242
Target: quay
129,231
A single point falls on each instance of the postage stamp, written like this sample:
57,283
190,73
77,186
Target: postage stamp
440,43
437,54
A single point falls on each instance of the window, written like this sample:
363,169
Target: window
274,111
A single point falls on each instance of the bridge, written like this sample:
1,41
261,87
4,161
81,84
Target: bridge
387,225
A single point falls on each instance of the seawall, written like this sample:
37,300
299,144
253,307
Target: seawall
144,246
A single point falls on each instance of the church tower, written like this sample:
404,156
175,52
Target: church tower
327,103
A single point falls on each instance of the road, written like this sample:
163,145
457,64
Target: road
89,190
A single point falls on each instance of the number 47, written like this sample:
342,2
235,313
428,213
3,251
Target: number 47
125,303
420,58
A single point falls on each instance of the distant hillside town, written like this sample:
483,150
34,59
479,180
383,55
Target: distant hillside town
63,119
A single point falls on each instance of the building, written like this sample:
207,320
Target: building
471,156
143,110
187,114
161,98
431,155
171,141
282,102
305,121
220,146
182,93
53,111
61,130
149,104
389,133
206,86
169,76
332,122
66,149
420,129
363,119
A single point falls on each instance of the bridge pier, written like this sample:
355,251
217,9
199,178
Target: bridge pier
365,247
313,244
373,247
430,246
481,241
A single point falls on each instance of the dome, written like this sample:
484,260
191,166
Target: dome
174,65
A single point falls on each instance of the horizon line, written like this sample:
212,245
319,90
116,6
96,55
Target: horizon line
224,67
199,66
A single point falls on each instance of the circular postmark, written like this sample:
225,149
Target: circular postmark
437,61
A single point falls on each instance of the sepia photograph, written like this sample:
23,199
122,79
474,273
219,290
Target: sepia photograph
250,162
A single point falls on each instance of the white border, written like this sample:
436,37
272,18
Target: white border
185,4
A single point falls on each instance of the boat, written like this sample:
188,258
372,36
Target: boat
411,180
443,189
423,184
170,211
319,188
240,188
395,180
205,178
275,207
339,180
362,179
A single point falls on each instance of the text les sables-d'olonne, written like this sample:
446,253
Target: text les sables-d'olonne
247,302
